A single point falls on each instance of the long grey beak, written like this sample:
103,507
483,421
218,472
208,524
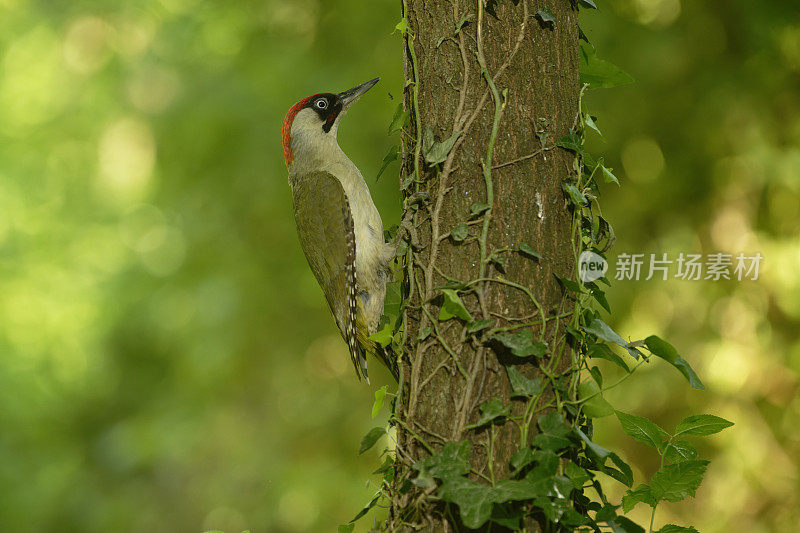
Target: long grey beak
351,96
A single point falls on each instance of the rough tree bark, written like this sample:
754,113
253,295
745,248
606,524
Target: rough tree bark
446,376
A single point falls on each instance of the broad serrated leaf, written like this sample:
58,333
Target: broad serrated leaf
602,351
371,438
622,524
459,233
399,120
453,307
642,494
521,343
594,405
380,396
526,249
598,73
678,481
438,151
624,469
678,451
521,385
604,332
491,411
701,425
642,429
667,352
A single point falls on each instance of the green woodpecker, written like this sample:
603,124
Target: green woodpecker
340,229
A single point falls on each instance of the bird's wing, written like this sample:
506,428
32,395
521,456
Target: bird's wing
325,227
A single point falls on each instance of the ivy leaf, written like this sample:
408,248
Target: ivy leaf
599,453
526,249
370,439
463,22
427,140
490,411
677,481
522,458
380,396
475,501
546,16
602,330
598,73
642,429
667,352
452,461
521,344
589,121
608,177
478,209
459,233
479,325
521,385
399,120
571,142
701,425
383,336
424,333
453,307
602,351
390,156
621,524
588,3
401,26
577,475
672,528
553,432
367,507
595,406
642,494
575,196
678,451
438,151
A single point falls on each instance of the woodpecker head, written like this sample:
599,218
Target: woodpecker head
314,120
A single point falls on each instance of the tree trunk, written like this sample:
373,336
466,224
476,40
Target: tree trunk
453,49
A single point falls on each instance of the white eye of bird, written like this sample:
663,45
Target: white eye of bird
321,104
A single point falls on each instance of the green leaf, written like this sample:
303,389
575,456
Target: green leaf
553,432
545,15
602,351
577,475
588,3
490,411
677,481
624,475
453,307
678,451
399,120
642,494
367,507
438,151
427,140
598,73
451,461
608,177
521,385
479,325
575,196
589,121
478,209
667,352
475,501
383,336
380,395
568,284
521,344
347,528
642,429
526,249
459,233
572,142
595,406
701,425
424,333
672,528
370,439
621,524
401,26
599,453
602,331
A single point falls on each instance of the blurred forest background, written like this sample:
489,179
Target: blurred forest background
168,361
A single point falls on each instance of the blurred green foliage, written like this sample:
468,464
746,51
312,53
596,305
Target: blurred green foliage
169,363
